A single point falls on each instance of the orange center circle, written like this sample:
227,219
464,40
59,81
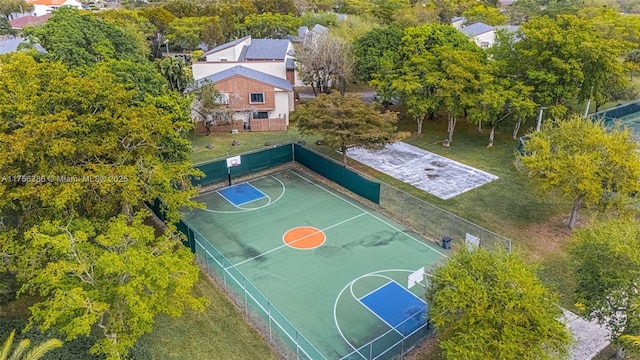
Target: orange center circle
304,237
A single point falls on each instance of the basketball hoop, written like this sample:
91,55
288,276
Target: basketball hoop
233,161
416,278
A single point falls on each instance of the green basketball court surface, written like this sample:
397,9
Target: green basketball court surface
327,274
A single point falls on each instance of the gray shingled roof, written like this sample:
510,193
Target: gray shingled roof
248,73
302,31
226,45
11,45
261,49
457,18
320,29
476,29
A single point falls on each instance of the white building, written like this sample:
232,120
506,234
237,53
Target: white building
480,33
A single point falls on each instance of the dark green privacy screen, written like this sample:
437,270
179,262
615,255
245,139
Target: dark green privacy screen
213,172
249,163
254,162
338,173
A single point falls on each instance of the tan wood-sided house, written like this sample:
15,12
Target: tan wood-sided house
255,78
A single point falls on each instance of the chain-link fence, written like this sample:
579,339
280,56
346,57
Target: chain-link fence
391,345
435,223
281,334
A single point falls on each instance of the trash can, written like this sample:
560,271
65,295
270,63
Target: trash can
446,242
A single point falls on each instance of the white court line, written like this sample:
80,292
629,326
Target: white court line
266,311
350,286
402,287
254,180
246,202
242,210
379,317
372,215
372,291
250,201
285,245
318,231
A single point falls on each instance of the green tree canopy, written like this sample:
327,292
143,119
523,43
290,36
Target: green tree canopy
74,125
346,121
584,162
447,9
5,27
271,26
188,32
8,7
425,53
176,71
415,15
161,20
309,19
632,60
491,305
461,79
487,14
80,39
182,8
563,58
372,46
275,6
87,149
131,22
113,276
230,13
606,262
384,10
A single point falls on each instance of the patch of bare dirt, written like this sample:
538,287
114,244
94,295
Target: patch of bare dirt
426,350
551,237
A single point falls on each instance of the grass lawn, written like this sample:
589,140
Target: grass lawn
248,141
221,332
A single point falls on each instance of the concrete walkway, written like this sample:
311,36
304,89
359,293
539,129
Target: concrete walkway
589,337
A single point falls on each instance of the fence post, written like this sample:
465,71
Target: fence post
244,287
404,201
269,316
224,276
453,220
426,218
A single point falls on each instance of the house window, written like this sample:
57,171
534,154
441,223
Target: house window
261,115
484,45
256,98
